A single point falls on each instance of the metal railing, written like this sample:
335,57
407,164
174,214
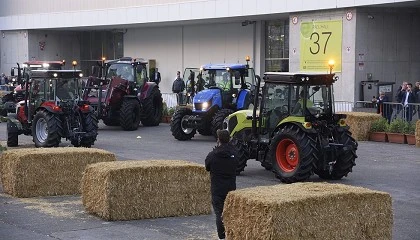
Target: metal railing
170,99
390,110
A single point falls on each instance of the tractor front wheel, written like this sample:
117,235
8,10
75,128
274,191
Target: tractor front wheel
178,125
152,108
47,129
217,122
242,154
345,161
292,153
130,114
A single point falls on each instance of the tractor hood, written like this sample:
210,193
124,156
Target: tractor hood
210,97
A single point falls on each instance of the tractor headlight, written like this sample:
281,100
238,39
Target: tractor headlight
45,65
204,106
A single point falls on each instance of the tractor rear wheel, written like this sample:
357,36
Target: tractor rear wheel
178,128
292,152
12,137
152,108
345,161
243,154
90,127
47,129
130,114
217,122
111,121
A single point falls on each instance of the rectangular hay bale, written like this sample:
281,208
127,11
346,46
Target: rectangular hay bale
360,123
308,211
32,172
129,190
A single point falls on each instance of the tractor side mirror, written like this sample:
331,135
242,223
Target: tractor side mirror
12,72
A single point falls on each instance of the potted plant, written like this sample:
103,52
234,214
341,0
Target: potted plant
377,130
395,131
410,130
164,113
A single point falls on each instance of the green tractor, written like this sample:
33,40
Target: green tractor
293,129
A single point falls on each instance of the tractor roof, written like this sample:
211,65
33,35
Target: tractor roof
56,74
224,66
300,78
127,60
45,64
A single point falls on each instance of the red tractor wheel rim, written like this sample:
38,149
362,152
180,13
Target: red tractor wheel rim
287,155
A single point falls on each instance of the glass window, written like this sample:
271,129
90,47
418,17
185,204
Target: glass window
277,46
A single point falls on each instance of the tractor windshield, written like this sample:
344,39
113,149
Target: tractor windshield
282,100
66,89
122,70
224,79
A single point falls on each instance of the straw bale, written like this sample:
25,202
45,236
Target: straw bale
360,123
308,211
128,190
417,133
30,172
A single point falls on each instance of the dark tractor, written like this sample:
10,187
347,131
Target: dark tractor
9,100
214,91
293,129
122,96
52,109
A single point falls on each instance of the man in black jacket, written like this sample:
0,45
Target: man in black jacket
221,163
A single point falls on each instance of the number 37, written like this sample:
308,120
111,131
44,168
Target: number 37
316,42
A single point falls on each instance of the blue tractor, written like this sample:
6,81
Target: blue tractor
214,91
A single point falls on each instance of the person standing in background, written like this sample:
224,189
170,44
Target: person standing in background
178,87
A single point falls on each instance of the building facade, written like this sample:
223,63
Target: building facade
368,40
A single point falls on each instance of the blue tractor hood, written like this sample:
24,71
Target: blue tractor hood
211,96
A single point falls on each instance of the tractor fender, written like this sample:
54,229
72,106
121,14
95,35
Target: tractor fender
50,107
244,99
298,124
13,125
147,89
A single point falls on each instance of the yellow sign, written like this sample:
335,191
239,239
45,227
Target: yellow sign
320,42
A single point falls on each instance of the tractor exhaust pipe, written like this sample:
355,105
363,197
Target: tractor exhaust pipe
254,111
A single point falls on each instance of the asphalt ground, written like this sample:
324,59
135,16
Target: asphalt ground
393,168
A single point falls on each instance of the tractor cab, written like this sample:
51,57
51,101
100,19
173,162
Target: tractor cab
295,95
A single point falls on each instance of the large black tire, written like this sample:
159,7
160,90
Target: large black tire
47,129
242,154
111,121
152,108
89,125
12,137
130,114
178,130
206,129
292,152
344,162
217,122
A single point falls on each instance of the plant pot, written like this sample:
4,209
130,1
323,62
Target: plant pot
396,138
411,139
378,137
166,119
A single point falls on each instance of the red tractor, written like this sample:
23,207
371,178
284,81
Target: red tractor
123,96
53,109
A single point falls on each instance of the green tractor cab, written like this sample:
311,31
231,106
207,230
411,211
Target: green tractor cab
293,129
